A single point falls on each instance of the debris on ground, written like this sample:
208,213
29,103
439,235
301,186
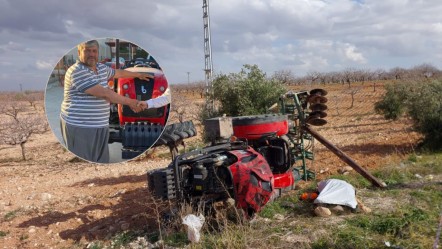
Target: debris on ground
193,224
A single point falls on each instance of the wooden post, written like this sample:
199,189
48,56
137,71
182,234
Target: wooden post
344,157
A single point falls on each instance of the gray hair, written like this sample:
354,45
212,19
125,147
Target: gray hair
85,44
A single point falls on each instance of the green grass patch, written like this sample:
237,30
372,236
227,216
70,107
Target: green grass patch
178,239
232,236
273,208
405,214
11,215
95,245
123,239
3,233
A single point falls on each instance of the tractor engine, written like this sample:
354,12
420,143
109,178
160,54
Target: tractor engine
228,170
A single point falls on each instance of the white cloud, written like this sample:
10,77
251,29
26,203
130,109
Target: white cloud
352,54
44,65
298,35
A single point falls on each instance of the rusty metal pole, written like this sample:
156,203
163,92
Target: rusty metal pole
344,157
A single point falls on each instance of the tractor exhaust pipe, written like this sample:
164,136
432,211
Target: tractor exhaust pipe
376,182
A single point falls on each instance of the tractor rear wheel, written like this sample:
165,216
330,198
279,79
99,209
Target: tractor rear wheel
174,133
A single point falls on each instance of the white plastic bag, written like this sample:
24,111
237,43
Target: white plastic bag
339,192
193,224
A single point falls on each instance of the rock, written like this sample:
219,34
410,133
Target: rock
45,196
345,170
278,217
322,171
230,202
125,226
32,229
322,212
288,204
338,209
158,244
348,168
429,177
260,219
119,192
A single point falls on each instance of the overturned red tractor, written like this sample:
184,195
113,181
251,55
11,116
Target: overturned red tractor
253,169
252,159
249,173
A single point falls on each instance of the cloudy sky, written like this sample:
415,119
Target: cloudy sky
296,35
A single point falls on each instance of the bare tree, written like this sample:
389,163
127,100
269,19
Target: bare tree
12,109
312,76
424,71
33,98
397,73
20,129
286,77
352,91
348,76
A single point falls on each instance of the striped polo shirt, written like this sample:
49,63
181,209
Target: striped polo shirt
79,108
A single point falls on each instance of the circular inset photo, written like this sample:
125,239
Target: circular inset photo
107,100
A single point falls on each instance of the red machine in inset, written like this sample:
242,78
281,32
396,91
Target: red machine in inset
138,131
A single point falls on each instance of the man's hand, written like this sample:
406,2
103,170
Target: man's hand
144,76
134,106
142,104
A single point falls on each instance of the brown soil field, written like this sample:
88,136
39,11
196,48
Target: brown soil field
53,200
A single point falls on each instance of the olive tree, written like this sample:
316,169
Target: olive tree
248,92
422,102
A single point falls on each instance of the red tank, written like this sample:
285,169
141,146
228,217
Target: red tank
255,127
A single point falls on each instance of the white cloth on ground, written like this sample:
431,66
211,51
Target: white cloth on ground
338,192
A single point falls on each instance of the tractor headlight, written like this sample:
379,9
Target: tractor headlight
125,87
162,88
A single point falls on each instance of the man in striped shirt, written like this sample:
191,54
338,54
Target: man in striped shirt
85,109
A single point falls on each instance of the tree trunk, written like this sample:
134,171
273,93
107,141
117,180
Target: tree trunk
22,146
352,99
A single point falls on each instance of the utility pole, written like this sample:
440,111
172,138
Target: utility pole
207,56
188,77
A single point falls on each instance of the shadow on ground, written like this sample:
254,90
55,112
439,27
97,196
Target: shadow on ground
132,210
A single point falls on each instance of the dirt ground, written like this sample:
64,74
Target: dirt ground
54,200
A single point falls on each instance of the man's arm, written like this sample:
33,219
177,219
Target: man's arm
113,97
119,73
160,101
